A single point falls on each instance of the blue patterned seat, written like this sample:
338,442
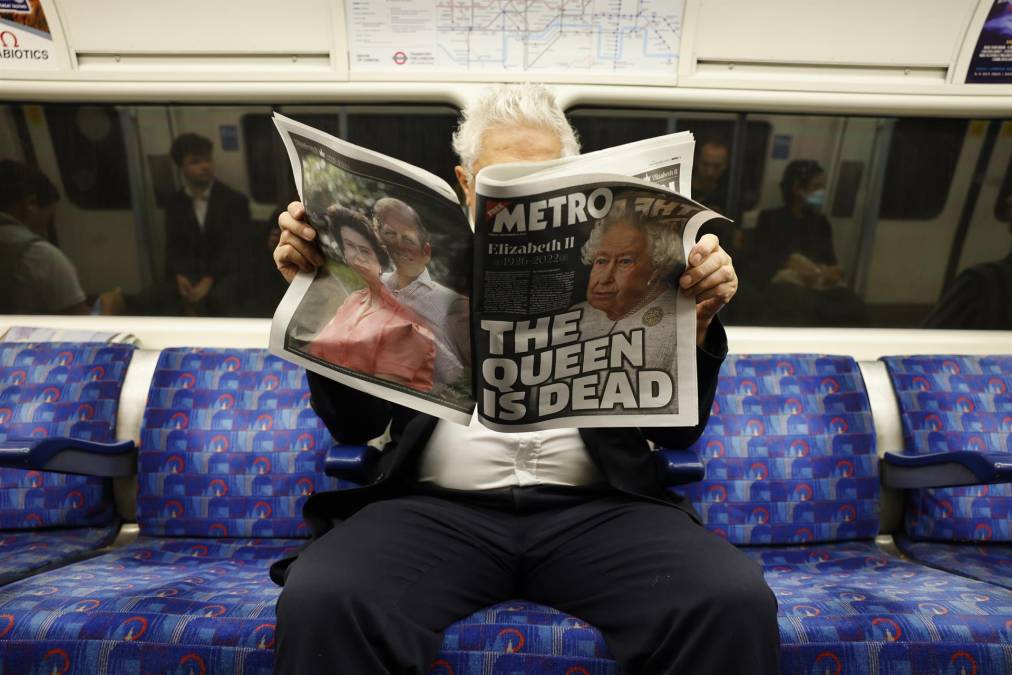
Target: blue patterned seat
791,477
952,403
230,449
56,389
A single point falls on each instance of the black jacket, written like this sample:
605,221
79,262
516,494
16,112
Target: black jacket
220,247
621,454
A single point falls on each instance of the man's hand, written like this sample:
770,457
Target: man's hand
711,279
200,290
184,288
297,250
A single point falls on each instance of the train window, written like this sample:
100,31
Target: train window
88,142
419,135
821,203
1003,203
922,161
715,137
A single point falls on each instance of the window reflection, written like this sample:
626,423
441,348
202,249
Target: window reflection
839,220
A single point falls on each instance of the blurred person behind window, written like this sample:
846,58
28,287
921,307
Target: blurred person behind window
709,188
207,226
791,260
36,276
980,297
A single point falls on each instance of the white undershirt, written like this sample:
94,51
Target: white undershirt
477,458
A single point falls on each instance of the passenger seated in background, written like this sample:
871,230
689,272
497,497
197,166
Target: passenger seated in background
35,276
207,232
792,262
709,187
981,296
796,239
453,519
709,173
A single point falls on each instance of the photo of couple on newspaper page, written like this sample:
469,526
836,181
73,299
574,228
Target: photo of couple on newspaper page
559,309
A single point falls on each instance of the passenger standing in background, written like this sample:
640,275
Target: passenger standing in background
980,297
207,230
35,276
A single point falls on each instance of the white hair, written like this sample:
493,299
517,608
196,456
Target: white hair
527,104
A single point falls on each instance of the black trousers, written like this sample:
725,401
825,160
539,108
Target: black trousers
374,594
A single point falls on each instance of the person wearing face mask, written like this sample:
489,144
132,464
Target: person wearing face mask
371,332
792,263
794,243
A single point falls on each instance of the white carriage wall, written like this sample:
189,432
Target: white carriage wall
298,50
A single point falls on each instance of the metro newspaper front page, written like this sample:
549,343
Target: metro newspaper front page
560,309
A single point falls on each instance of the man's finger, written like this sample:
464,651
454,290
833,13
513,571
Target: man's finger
297,211
297,226
288,255
722,292
704,247
709,265
308,250
722,275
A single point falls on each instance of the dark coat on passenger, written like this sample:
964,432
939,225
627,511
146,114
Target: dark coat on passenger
220,247
621,454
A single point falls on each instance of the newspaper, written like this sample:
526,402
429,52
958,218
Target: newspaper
559,309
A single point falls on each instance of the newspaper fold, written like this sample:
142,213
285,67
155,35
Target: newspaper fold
560,309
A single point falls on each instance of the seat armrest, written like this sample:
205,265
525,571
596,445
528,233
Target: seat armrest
946,469
351,462
63,454
678,467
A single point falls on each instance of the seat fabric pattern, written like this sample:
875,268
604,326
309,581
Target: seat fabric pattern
230,446
523,637
956,403
789,452
56,389
986,561
848,608
27,550
157,605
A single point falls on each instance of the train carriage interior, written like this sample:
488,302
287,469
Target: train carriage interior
155,457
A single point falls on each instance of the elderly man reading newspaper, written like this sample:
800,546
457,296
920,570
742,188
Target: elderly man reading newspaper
458,518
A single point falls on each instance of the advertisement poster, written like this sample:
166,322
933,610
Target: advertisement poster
992,57
26,41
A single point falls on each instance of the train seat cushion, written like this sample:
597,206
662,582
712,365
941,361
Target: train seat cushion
956,403
789,452
849,608
230,446
156,605
58,389
986,561
22,552
523,637
168,605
